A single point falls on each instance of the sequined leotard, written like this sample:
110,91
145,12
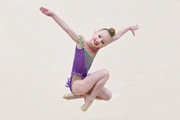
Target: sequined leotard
82,61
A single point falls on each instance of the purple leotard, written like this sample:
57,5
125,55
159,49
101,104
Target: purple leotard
82,61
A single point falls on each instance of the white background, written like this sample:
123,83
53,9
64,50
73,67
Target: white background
36,58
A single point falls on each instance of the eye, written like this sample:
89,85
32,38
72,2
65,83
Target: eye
102,42
99,36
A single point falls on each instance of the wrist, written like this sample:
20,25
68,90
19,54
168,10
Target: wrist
53,15
131,27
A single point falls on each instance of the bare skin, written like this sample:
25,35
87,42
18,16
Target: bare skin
91,87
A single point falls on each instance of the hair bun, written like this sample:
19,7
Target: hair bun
112,31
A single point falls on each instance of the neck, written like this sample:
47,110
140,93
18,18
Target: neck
91,47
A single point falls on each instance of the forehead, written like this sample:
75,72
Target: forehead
105,34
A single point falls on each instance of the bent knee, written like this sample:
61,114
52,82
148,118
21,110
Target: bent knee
105,72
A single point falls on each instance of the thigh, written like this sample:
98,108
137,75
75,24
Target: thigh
80,87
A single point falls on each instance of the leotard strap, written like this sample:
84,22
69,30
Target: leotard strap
84,44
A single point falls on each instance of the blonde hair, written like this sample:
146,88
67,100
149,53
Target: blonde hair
111,31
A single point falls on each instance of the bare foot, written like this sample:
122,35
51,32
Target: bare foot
88,101
71,96
68,96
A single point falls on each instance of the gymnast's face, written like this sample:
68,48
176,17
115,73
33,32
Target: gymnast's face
100,39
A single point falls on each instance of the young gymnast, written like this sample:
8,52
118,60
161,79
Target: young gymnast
82,84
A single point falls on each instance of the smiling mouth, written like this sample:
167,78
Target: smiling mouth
95,42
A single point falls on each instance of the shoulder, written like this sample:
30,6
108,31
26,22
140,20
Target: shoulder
80,44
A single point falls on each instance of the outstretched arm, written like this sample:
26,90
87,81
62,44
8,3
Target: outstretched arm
123,31
61,23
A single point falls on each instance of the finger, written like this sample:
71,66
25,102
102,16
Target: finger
137,27
133,33
43,9
40,9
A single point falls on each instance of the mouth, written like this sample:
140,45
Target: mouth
95,42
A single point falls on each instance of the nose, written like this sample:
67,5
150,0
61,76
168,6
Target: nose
99,40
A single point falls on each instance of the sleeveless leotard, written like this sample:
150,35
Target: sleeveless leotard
82,61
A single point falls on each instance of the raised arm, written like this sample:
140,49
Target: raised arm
61,23
123,31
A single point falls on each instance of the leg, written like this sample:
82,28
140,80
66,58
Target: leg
96,81
81,87
71,96
104,94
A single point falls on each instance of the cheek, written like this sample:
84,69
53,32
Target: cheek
101,46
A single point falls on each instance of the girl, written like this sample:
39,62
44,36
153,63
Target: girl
81,84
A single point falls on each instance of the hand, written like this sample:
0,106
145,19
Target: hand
46,11
133,28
